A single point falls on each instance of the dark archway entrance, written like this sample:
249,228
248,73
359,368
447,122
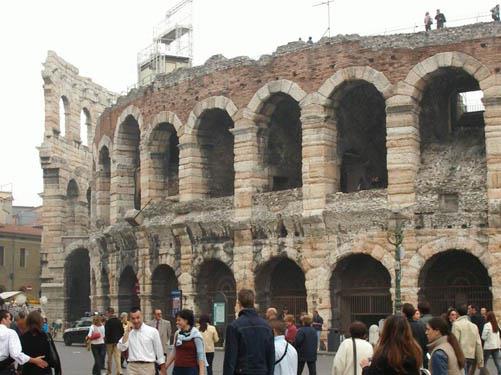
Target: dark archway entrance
128,290
77,281
216,145
105,288
216,282
360,112
280,143
281,283
454,278
163,282
360,290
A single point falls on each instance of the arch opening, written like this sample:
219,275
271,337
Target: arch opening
360,290
85,127
64,115
128,290
360,116
454,278
280,283
76,213
280,143
215,283
163,282
216,145
77,283
105,288
164,154
103,186
127,149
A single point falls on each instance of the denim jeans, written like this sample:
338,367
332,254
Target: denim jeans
99,352
496,357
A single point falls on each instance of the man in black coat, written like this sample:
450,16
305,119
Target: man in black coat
306,345
418,330
476,318
249,345
113,332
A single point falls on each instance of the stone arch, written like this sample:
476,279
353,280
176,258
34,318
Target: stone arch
160,148
103,181
374,250
214,102
281,282
64,115
163,282
416,79
207,149
282,86
77,273
128,290
86,130
133,111
76,217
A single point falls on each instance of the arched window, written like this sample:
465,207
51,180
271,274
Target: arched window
64,115
85,127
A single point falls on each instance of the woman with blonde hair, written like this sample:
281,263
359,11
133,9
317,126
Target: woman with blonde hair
96,338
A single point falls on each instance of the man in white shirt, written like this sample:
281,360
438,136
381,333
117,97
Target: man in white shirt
285,354
344,361
144,345
10,348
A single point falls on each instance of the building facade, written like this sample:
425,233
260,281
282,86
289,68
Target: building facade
283,175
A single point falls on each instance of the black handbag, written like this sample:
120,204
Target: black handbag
53,356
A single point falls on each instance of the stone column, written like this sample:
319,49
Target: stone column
403,148
320,173
192,184
243,258
185,279
51,99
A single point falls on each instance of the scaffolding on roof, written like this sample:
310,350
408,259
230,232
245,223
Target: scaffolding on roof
172,45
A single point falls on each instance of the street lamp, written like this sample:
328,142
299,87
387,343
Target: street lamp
396,238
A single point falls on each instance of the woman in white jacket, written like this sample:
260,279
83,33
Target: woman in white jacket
344,361
492,341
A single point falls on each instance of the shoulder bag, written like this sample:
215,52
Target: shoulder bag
355,364
283,355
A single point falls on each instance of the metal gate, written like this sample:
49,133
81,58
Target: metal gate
296,305
441,298
368,308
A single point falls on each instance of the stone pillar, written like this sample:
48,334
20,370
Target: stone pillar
249,173
492,117
185,279
403,148
243,258
51,99
103,196
320,173
122,190
192,184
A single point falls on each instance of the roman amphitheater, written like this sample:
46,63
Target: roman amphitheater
287,174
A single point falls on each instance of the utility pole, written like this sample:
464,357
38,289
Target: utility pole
328,3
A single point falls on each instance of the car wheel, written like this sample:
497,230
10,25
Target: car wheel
67,341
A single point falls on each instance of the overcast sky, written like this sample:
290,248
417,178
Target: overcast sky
102,38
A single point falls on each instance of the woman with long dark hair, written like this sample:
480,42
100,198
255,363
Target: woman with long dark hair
397,352
188,352
492,341
209,333
35,343
452,316
446,354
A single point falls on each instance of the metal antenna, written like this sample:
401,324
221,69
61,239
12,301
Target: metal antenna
328,3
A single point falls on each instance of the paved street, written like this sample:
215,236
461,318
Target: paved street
78,361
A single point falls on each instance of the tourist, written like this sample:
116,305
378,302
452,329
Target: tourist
428,21
10,348
418,330
440,18
211,337
476,318
318,322
284,313
351,352
36,343
45,325
373,335
424,308
124,319
483,312
143,345
306,344
291,329
248,328
447,358
164,329
452,316
285,354
417,316
96,337
113,331
271,314
492,341
20,323
469,341
397,351
188,352
495,13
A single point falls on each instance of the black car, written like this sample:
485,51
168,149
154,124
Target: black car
77,334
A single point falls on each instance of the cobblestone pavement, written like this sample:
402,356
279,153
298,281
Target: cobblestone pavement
78,361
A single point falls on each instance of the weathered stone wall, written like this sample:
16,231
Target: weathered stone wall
315,226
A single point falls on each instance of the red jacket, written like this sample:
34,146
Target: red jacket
290,334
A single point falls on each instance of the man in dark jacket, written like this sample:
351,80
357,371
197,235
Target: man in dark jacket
249,345
113,332
306,344
418,330
476,318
